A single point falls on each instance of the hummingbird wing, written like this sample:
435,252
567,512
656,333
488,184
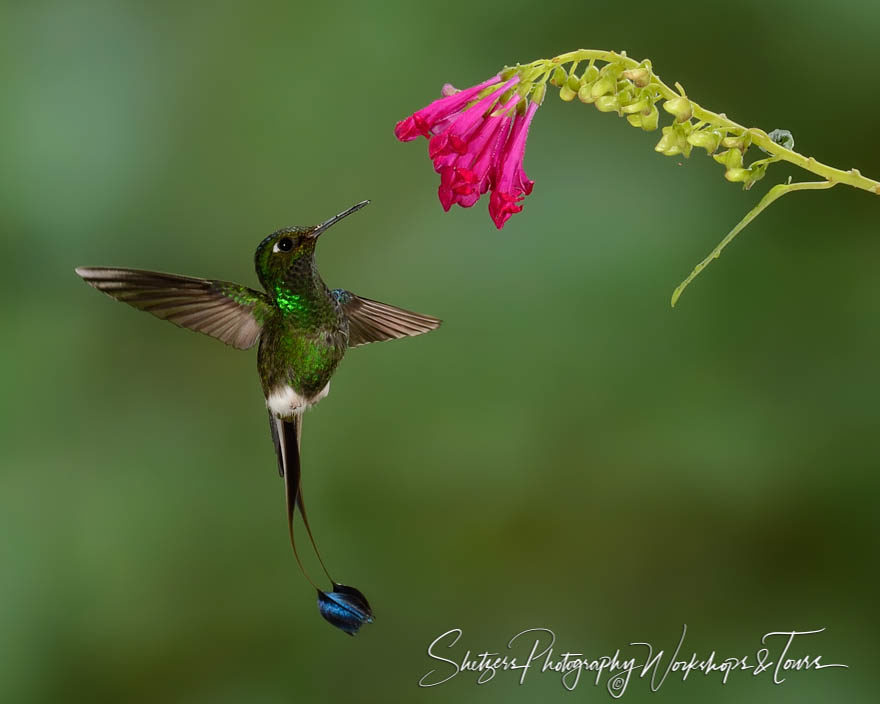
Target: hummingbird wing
228,312
371,321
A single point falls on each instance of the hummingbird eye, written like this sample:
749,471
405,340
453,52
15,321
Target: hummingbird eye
285,244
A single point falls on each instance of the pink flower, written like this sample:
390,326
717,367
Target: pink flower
468,124
510,184
422,121
476,147
465,176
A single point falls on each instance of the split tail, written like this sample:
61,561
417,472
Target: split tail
345,607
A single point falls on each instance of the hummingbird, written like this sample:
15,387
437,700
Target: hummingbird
303,329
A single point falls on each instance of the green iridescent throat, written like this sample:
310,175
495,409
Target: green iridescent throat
290,303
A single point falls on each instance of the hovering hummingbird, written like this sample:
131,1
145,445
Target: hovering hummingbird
303,328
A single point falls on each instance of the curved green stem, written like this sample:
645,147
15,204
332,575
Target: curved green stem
773,194
758,136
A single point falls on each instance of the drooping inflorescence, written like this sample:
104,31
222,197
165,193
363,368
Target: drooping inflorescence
477,139
477,136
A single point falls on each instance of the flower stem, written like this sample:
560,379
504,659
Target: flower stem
773,194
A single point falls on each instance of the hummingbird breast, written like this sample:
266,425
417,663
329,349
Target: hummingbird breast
296,364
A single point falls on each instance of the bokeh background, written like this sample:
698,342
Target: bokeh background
566,452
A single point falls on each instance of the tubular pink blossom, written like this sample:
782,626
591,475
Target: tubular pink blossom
421,122
444,192
475,137
456,137
477,144
465,177
510,183
487,160
443,124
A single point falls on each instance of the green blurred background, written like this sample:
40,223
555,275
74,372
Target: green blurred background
566,452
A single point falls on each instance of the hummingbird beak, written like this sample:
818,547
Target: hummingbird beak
324,226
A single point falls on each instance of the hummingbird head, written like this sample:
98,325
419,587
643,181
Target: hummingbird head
292,248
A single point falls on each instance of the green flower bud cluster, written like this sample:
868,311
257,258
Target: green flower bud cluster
634,93
613,88
614,82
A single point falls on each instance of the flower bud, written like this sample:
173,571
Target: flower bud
756,173
639,76
732,158
641,105
673,142
538,93
558,77
736,175
566,93
680,107
705,139
604,85
585,93
591,74
740,142
573,82
667,141
625,93
607,103
635,120
651,120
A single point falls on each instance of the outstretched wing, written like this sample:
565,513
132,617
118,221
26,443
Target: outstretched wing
371,321
229,312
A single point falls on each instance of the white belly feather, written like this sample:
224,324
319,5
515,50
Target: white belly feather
284,401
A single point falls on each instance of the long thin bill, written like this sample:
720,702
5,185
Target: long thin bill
336,218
